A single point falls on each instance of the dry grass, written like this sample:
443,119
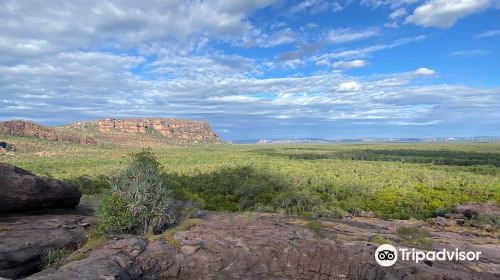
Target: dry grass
169,234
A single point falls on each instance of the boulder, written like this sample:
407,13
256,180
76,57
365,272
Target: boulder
454,216
6,146
472,210
21,190
444,222
24,238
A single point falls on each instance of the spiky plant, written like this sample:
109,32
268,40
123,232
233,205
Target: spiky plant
147,202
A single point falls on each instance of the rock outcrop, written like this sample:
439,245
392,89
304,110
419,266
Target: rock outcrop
30,129
237,246
148,131
4,146
121,132
471,211
21,190
224,245
24,238
480,215
36,214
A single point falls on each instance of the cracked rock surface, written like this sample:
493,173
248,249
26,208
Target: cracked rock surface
240,246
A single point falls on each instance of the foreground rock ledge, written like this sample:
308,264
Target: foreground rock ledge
24,238
238,246
21,190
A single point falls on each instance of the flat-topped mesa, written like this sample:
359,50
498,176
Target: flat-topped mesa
31,129
172,128
122,132
148,131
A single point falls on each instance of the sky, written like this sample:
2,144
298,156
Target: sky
258,69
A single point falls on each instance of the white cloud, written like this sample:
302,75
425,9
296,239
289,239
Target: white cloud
316,6
393,4
349,86
33,27
234,98
469,53
62,61
444,13
489,33
398,13
343,35
363,52
424,72
393,24
282,37
350,64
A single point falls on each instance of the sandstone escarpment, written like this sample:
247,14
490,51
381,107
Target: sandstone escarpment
150,130
121,132
30,129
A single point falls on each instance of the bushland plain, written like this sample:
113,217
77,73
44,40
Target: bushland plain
395,180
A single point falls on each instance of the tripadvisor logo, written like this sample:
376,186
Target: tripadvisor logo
387,255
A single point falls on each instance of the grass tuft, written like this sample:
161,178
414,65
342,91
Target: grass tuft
54,256
415,237
169,234
317,227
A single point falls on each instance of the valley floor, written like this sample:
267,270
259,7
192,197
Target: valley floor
299,212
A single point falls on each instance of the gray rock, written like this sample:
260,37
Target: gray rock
454,216
21,190
233,246
474,209
6,146
23,239
443,222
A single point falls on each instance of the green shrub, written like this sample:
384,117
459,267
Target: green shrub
297,202
54,256
261,208
335,237
317,227
333,213
380,239
114,215
415,237
139,201
91,185
490,219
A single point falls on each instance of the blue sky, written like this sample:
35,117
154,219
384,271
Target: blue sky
258,68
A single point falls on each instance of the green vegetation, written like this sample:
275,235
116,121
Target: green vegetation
317,227
415,237
169,234
398,181
54,256
380,239
486,219
139,199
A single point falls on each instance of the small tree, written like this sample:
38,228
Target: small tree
139,199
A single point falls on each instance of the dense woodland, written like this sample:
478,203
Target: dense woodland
393,180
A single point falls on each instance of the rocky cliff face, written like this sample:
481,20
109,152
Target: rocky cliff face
160,129
30,129
122,132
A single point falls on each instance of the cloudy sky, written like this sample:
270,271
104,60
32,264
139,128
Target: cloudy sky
258,68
